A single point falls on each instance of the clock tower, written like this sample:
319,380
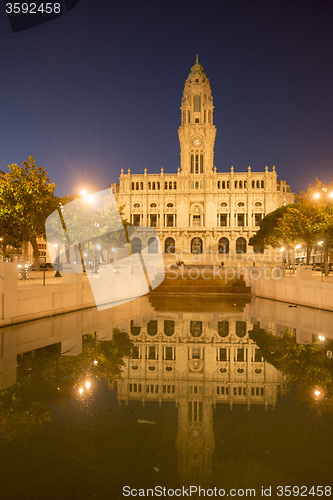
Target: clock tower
197,131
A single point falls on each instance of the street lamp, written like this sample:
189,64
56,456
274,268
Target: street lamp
320,243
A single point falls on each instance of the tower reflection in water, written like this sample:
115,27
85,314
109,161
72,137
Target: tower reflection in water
195,352
198,356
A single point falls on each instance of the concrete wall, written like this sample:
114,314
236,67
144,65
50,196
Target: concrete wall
298,289
71,293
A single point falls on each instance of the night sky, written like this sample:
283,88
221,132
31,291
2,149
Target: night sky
99,88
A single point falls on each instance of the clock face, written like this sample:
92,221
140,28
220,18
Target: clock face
196,142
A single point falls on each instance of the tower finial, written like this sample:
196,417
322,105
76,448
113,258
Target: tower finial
197,60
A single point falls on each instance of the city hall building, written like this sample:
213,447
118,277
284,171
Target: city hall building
198,209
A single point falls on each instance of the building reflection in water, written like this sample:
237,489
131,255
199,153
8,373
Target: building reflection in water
192,351
198,359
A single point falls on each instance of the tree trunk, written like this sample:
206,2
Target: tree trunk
308,253
36,252
326,258
4,247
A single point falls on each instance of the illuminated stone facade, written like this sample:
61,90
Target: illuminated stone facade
198,209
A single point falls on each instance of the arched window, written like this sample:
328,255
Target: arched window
223,328
175,185
170,185
136,245
262,184
152,245
132,186
196,245
241,245
228,184
258,184
184,116
135,330
224,245
253,184
197,103
158,185
201,164
153,185
169,245
152,328
149,185
196,164
240,184
236,184
137,186
188,117
165,185
245,184
219,185
240,328
169,327
209,117
223,184
192,164
141,185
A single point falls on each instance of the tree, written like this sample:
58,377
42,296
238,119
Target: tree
300,223
26,199
45,379
305,365
267,234
308,220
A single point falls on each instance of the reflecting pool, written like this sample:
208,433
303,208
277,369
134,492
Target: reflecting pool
176,393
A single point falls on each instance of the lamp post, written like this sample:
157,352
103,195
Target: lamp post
320,243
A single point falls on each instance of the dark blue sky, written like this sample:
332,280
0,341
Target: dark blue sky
99,88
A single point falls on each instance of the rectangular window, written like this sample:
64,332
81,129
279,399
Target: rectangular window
196,220
151,352
135,352
223,219
257,356
136,219
153,220
196,352
223,354
168,353
240,220
240,355
169,221
197,103
257,219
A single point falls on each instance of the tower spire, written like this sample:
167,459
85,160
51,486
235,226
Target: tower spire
197,60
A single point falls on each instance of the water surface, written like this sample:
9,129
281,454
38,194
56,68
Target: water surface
167,392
